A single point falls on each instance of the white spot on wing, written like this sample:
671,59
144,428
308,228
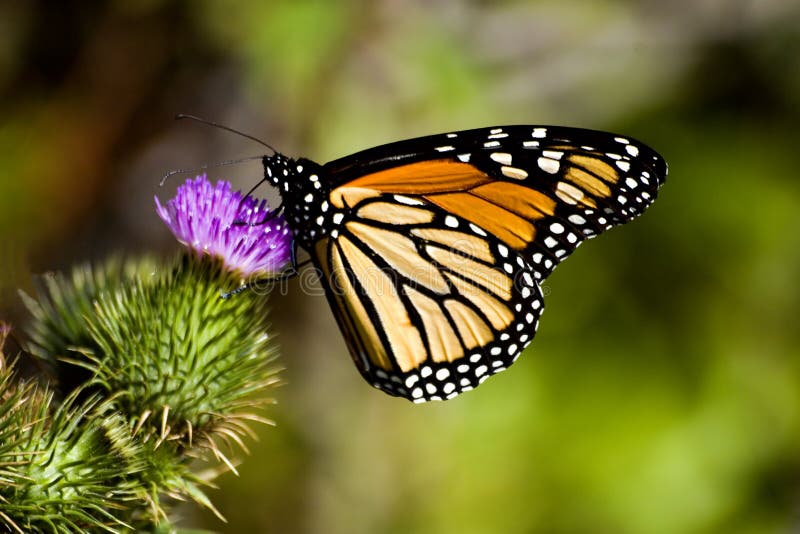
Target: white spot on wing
514,172
539,132
503,158
548,165
408,200
477,229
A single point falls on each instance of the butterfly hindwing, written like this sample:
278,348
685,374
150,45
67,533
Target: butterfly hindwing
429,307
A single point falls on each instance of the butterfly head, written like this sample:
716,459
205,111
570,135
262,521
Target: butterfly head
302,191
278,170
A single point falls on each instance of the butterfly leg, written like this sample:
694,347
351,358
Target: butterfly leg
293,271
273,214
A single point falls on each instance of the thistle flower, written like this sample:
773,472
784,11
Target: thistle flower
170,372
202,217
186,369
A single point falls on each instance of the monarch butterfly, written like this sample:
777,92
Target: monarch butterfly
432,250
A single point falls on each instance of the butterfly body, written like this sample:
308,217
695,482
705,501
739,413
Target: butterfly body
431,250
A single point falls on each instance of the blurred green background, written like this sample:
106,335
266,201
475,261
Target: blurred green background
662,391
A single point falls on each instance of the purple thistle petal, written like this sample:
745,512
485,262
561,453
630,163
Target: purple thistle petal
201,216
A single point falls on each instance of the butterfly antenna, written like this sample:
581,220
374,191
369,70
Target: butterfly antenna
204,167
180,116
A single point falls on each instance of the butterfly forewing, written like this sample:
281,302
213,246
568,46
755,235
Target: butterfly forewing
556,185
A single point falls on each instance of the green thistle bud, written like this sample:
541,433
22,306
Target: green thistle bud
60,309
65,469
180,360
